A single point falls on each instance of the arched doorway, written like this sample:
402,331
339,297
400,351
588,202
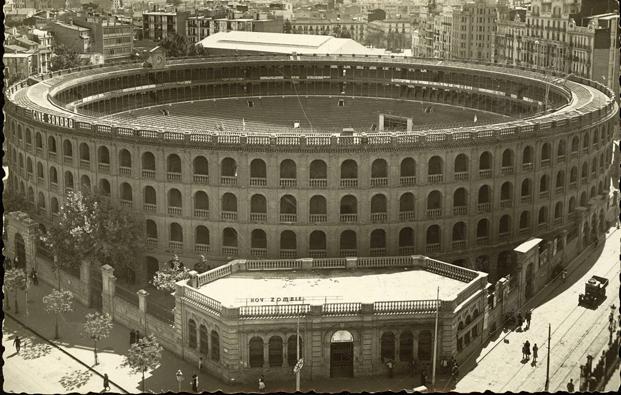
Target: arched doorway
342,354
20,252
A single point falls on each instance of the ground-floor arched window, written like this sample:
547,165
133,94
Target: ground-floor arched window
255,352
192,334
424,346
203,340
387,345
292,350
275,351
215,346
406,346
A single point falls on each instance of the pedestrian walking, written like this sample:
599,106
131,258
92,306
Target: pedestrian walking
528,316
524,352
106,382
132,337
455,371
17,342
200,364
520,320
570,385
535,349
389,366
194,383
527,349
261,384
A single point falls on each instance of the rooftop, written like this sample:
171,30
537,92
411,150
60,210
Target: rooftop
283,43
330,286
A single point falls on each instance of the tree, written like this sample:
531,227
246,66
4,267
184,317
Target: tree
57,303
14,279
178,46
97,327
64,58
143,355
90,227
202,265
166,278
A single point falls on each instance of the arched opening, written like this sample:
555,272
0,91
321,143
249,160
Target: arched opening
348,242
318,206
192,334
255,352
506,192
459,232
436,166
148,163
349,170
406,346
349,205
229,202
292,350
288,240
288,170
174,198
543,215
203,340
483,229
461,164
202,235
543,183
229,237
526,188
228,168
258,239
379,169
317,240
215,346
275,351
51,144
201,204
173,164
125,159
151,229
504,225
484,195
318,170
460,200
433,236
507,158
406,206
377,241
258,170
558,210
258,207
200,167
561,150
85,184
68,180
126,192
176,232
150,197
103,155
378,204
524,220
342,354
575,144
288,208
434,201
406,238
151,267
387,346
527,156
545,152
67,149
485,161
424,345
85,152
408,171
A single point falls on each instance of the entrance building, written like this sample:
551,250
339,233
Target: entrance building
353,316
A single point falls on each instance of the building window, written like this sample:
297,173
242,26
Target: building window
192,334
255,352
215,346
275,351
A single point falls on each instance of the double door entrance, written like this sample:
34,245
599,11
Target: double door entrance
342,354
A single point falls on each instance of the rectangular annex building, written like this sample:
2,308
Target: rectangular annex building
353,315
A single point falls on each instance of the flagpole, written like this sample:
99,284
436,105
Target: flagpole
435,342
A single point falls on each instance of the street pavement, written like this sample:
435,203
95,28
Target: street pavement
575,331
614,384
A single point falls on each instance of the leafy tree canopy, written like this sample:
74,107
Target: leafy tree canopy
143,355
14,279
64,58
90,227
97,326
58,302
179,46
165,279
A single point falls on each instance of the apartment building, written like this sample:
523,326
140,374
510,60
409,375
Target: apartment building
348,28
157,25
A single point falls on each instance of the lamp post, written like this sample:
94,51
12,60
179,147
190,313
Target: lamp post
548,361
179,375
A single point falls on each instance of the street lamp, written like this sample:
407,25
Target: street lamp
179,375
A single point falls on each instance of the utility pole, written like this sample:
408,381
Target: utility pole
297,356
435,342
548,362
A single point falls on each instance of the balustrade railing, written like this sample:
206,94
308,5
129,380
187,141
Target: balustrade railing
435,178
375,252
68,160
406,215
126,203
146,173
317,218
484,207
228,215
379,217
341,308
151,242
288,253
51,156
527,166
85,164
507,203
104,167
459,244
408,250
175,211
273,311
349,183
125,171
288,182
201,248
175,245
348,252
460,210
201,179
506,170
201,213
317,253
544,195
485,173
318,183
526,199
379,181
258,182
258,217
229,251
434,212
433,247
213,305
545,163
407,180
461,176
258,252
228,180
148,207
348,218
288,218
406,306
170,176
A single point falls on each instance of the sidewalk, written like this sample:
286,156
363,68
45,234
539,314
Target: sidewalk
110,356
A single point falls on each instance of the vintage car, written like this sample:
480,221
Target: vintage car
594,292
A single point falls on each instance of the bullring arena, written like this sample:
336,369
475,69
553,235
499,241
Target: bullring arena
388,156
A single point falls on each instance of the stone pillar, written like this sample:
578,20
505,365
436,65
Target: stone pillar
142,306
266,353
351,263
380,127
85,279
108,283
193,281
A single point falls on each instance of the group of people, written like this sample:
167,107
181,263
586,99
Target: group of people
526,352
521,320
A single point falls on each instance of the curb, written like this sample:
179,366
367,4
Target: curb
10,315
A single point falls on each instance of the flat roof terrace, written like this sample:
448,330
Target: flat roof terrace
331,286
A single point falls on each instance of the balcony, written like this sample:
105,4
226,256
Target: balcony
288,182
484,207
406,215
175,245
379,217
317,253
379,182
408,181
461,176
434,212
559,190
104,167
504,236
585,150
545,163
201,248
258,182
544,195
40,180
125,171
228,215
318,183
146,173
574,154
53,187
51,156
542,226
68,190
348,253
317,218
459,244
349,183
435,178
85,164
507,203
377,251
174,210
573,185
526,199
68,160
170,176
201,213
560,158
348,218
258,252
288,254
433,247
149,207
126,203
485,173
288,218
407,250
39,151
229,251
524,231
200,179
506,170
527,166
151,242
558,221
228,180
258,217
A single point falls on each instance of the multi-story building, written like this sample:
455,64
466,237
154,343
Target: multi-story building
73,37
198,27
157,25
112,38
570,36
390,33
473,31
349,28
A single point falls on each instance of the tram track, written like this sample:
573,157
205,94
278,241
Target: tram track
581,312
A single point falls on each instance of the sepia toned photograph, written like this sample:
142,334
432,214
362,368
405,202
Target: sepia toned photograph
329,196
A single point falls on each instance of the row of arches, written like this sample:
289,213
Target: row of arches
277,353
388,341
207,343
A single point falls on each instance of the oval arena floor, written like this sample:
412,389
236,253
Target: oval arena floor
315,114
